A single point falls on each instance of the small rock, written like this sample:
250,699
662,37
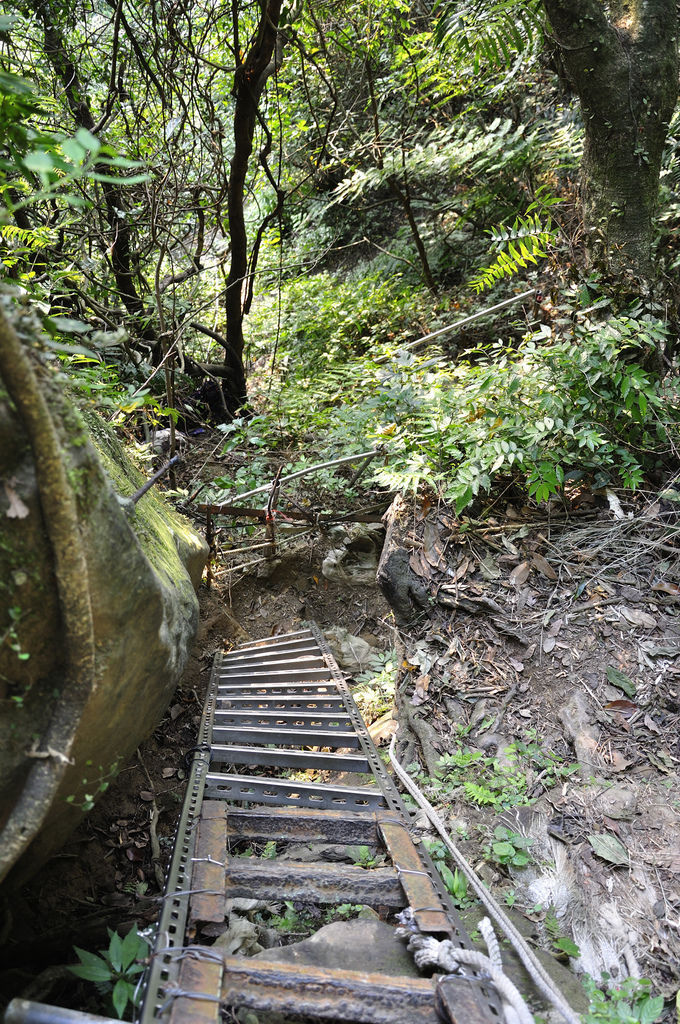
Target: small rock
619,802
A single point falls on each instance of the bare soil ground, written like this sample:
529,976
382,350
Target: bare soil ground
548,654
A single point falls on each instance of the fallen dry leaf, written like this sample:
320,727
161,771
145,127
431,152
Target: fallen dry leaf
651,725
636,617
544,567
666,588
420,692
417,565
433,549
622,707
462,570
508,545
489,568
548,644
609,848
383,729
519,574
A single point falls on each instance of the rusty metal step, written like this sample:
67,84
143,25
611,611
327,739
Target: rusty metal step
315,993
308,993
303,824
264,879
296,760
257,789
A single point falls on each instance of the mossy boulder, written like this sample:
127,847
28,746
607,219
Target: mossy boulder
144,563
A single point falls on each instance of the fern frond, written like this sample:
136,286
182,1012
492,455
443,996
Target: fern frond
493,30
30,238
525,242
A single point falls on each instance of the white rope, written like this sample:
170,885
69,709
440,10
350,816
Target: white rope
535,969
430,952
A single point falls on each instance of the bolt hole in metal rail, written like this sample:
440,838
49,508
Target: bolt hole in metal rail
277,708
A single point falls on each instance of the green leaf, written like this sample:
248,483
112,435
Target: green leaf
133,947
134,179
609,848
39,161
73,150
68,325
69,350
446,876
92,967
87,140
568,946
98,974
122,992
651,1009
503,850
520,859
115,951
620,679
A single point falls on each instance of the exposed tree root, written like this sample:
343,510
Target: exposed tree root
60,515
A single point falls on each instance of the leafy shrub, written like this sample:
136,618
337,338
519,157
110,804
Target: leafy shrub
473,776
323,320
508,848
115,970
551,411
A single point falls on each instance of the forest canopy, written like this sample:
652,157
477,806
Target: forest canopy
222,211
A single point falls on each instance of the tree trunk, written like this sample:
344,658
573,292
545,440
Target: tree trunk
66,70
623,62
250,79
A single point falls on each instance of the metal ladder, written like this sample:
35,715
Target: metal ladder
268,703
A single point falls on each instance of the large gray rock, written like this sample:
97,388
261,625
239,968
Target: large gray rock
364,944
143,567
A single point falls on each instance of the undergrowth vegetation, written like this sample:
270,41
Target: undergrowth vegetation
513,778
575,400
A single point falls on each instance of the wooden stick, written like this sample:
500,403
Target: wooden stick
458,323
301,472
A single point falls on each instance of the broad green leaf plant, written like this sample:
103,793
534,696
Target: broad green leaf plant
115,971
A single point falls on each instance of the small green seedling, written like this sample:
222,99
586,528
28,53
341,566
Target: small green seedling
562,944
363,857
508,848
631,1002
115,970
455,882
567,946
